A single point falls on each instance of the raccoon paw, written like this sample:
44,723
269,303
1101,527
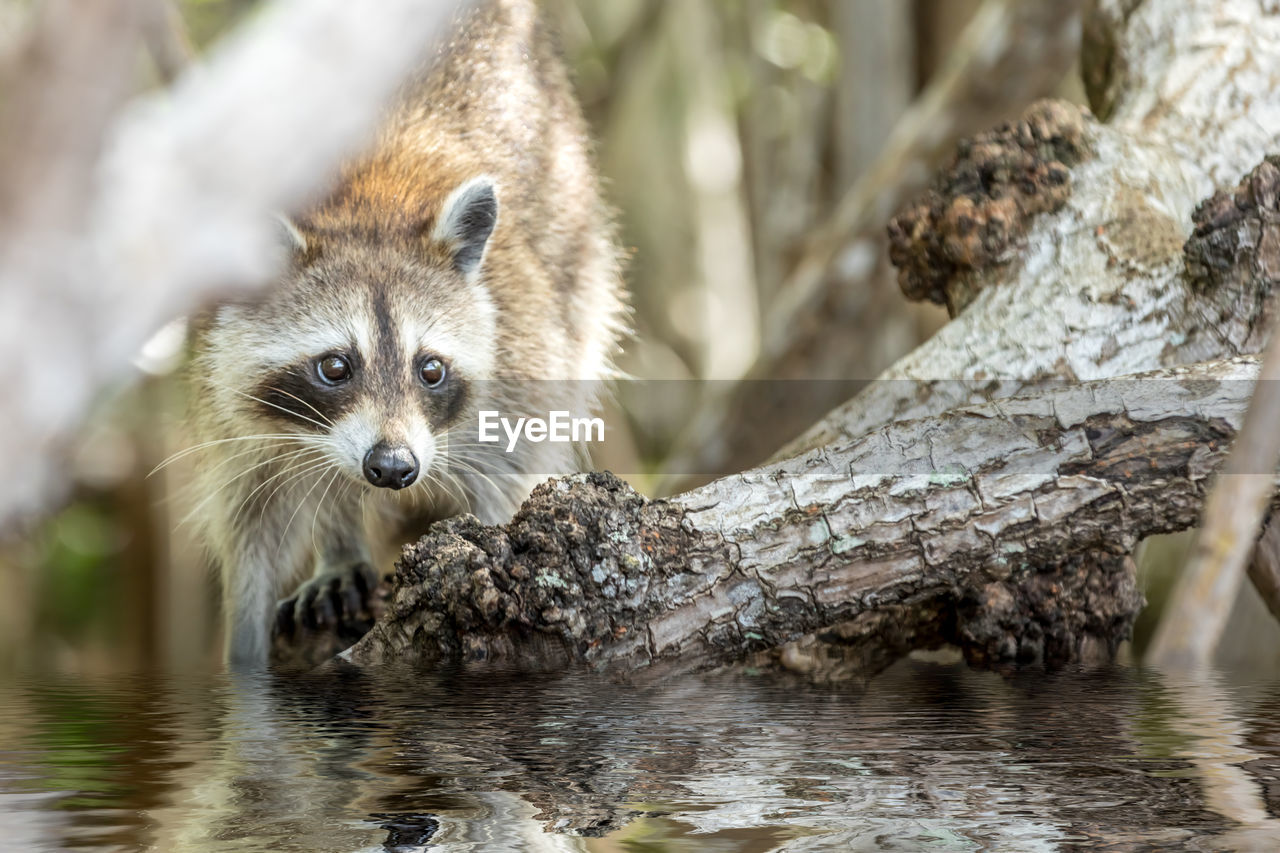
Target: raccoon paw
342,603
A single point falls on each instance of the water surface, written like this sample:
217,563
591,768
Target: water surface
926,757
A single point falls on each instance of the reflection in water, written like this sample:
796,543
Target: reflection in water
927,756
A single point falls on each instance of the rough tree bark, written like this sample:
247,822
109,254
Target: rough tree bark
1181,121
1060,245
893,523
1084,277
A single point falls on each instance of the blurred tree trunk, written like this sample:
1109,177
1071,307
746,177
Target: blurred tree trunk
937,23
713,164
808,143
837,320
877,46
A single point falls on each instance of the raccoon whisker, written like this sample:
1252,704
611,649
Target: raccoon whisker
341,497
473,493
298,463
364,493
208,444
499,495
473,466
180,487
297,472
471,469
464,447
481,480
274,406
437,479
320,505
259,450
364,517
465,444
246,472
284,535
431,486
463,439
319,413
319,470
300,453
340,502
355,491
464,498
460,452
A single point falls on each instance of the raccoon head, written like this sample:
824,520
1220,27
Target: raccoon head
370,346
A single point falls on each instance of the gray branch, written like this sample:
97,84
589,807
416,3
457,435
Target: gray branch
589,572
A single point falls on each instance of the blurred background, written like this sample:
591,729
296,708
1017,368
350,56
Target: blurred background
729,133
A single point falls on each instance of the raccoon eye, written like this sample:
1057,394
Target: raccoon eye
432,372
333,369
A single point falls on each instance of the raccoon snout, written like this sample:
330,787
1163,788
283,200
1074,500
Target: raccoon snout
390,466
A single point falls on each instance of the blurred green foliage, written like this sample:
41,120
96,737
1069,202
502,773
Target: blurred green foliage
208,19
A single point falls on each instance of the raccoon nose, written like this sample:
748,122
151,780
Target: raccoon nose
390,467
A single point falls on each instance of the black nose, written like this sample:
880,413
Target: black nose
391,467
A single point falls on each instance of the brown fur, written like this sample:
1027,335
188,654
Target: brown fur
544,305
497,101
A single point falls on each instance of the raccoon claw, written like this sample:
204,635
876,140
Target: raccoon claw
335,602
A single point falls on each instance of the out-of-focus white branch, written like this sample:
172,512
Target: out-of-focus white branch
178,209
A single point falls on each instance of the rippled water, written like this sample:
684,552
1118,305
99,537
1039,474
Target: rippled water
925,757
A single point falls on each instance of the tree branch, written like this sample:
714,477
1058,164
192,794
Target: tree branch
589,572
167,39
1129,301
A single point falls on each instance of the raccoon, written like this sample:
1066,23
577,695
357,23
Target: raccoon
466,262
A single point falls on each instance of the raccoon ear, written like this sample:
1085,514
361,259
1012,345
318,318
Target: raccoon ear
290,236
466,222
